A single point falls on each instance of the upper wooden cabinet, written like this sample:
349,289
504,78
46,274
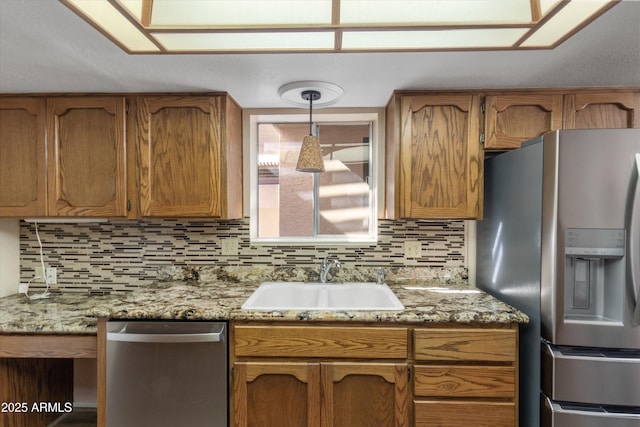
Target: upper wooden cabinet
602,110
434,156
23,183
512,118
86,156
190,154
62,156
173,156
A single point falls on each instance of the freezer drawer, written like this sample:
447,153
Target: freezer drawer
166,374
556,414
597,376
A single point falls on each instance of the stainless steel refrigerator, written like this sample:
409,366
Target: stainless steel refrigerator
560,240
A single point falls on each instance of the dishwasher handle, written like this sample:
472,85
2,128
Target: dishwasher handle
124,335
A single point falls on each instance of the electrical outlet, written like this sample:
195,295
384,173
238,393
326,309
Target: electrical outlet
52,275
412,249
23,288
229,246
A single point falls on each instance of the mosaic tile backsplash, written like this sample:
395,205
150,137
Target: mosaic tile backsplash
123,255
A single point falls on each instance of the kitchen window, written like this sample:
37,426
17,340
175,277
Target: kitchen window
335,206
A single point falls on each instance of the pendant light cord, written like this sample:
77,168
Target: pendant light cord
310,114
310,95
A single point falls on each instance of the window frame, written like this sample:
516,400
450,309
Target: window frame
374,116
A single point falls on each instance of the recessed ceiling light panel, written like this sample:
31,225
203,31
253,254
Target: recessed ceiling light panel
245,26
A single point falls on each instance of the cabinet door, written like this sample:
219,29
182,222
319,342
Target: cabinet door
441,158
514,118
180,165
86,156
276,394
22,157
597,110
365,395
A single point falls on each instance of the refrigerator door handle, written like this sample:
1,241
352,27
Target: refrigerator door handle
634,239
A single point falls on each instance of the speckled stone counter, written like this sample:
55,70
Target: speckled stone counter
59,314
424,301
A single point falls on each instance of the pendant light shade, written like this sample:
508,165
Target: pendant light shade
310,157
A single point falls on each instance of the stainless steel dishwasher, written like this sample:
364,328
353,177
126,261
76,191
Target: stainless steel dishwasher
166,374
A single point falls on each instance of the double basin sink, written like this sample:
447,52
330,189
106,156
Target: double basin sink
346,296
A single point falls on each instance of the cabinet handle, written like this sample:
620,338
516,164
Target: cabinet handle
165,338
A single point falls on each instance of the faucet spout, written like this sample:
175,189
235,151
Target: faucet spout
327,264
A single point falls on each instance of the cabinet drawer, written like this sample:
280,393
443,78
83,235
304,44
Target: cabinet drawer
484,345
321,341
459,414
465,381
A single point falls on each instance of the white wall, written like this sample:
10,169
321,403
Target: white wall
9,256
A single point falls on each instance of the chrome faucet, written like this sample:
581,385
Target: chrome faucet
326,267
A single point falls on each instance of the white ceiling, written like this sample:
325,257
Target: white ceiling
45,48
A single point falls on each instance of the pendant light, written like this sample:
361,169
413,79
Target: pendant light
310,157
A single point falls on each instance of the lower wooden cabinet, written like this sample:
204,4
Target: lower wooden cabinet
373,375
464,374
278,394
320,376
464,414
365,394
325,394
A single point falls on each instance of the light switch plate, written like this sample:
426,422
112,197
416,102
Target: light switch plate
229,246
412,249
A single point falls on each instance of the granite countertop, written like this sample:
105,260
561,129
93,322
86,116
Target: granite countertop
58,314
74,313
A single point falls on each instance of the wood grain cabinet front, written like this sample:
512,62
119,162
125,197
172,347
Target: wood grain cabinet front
320,394
190,154
316,376
602,110
86,156
276,394
434,156
62,156
464,374
23,179
512,118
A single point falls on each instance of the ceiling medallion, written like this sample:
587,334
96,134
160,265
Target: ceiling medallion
292,93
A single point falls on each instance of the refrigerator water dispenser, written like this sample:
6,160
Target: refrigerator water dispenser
594,271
